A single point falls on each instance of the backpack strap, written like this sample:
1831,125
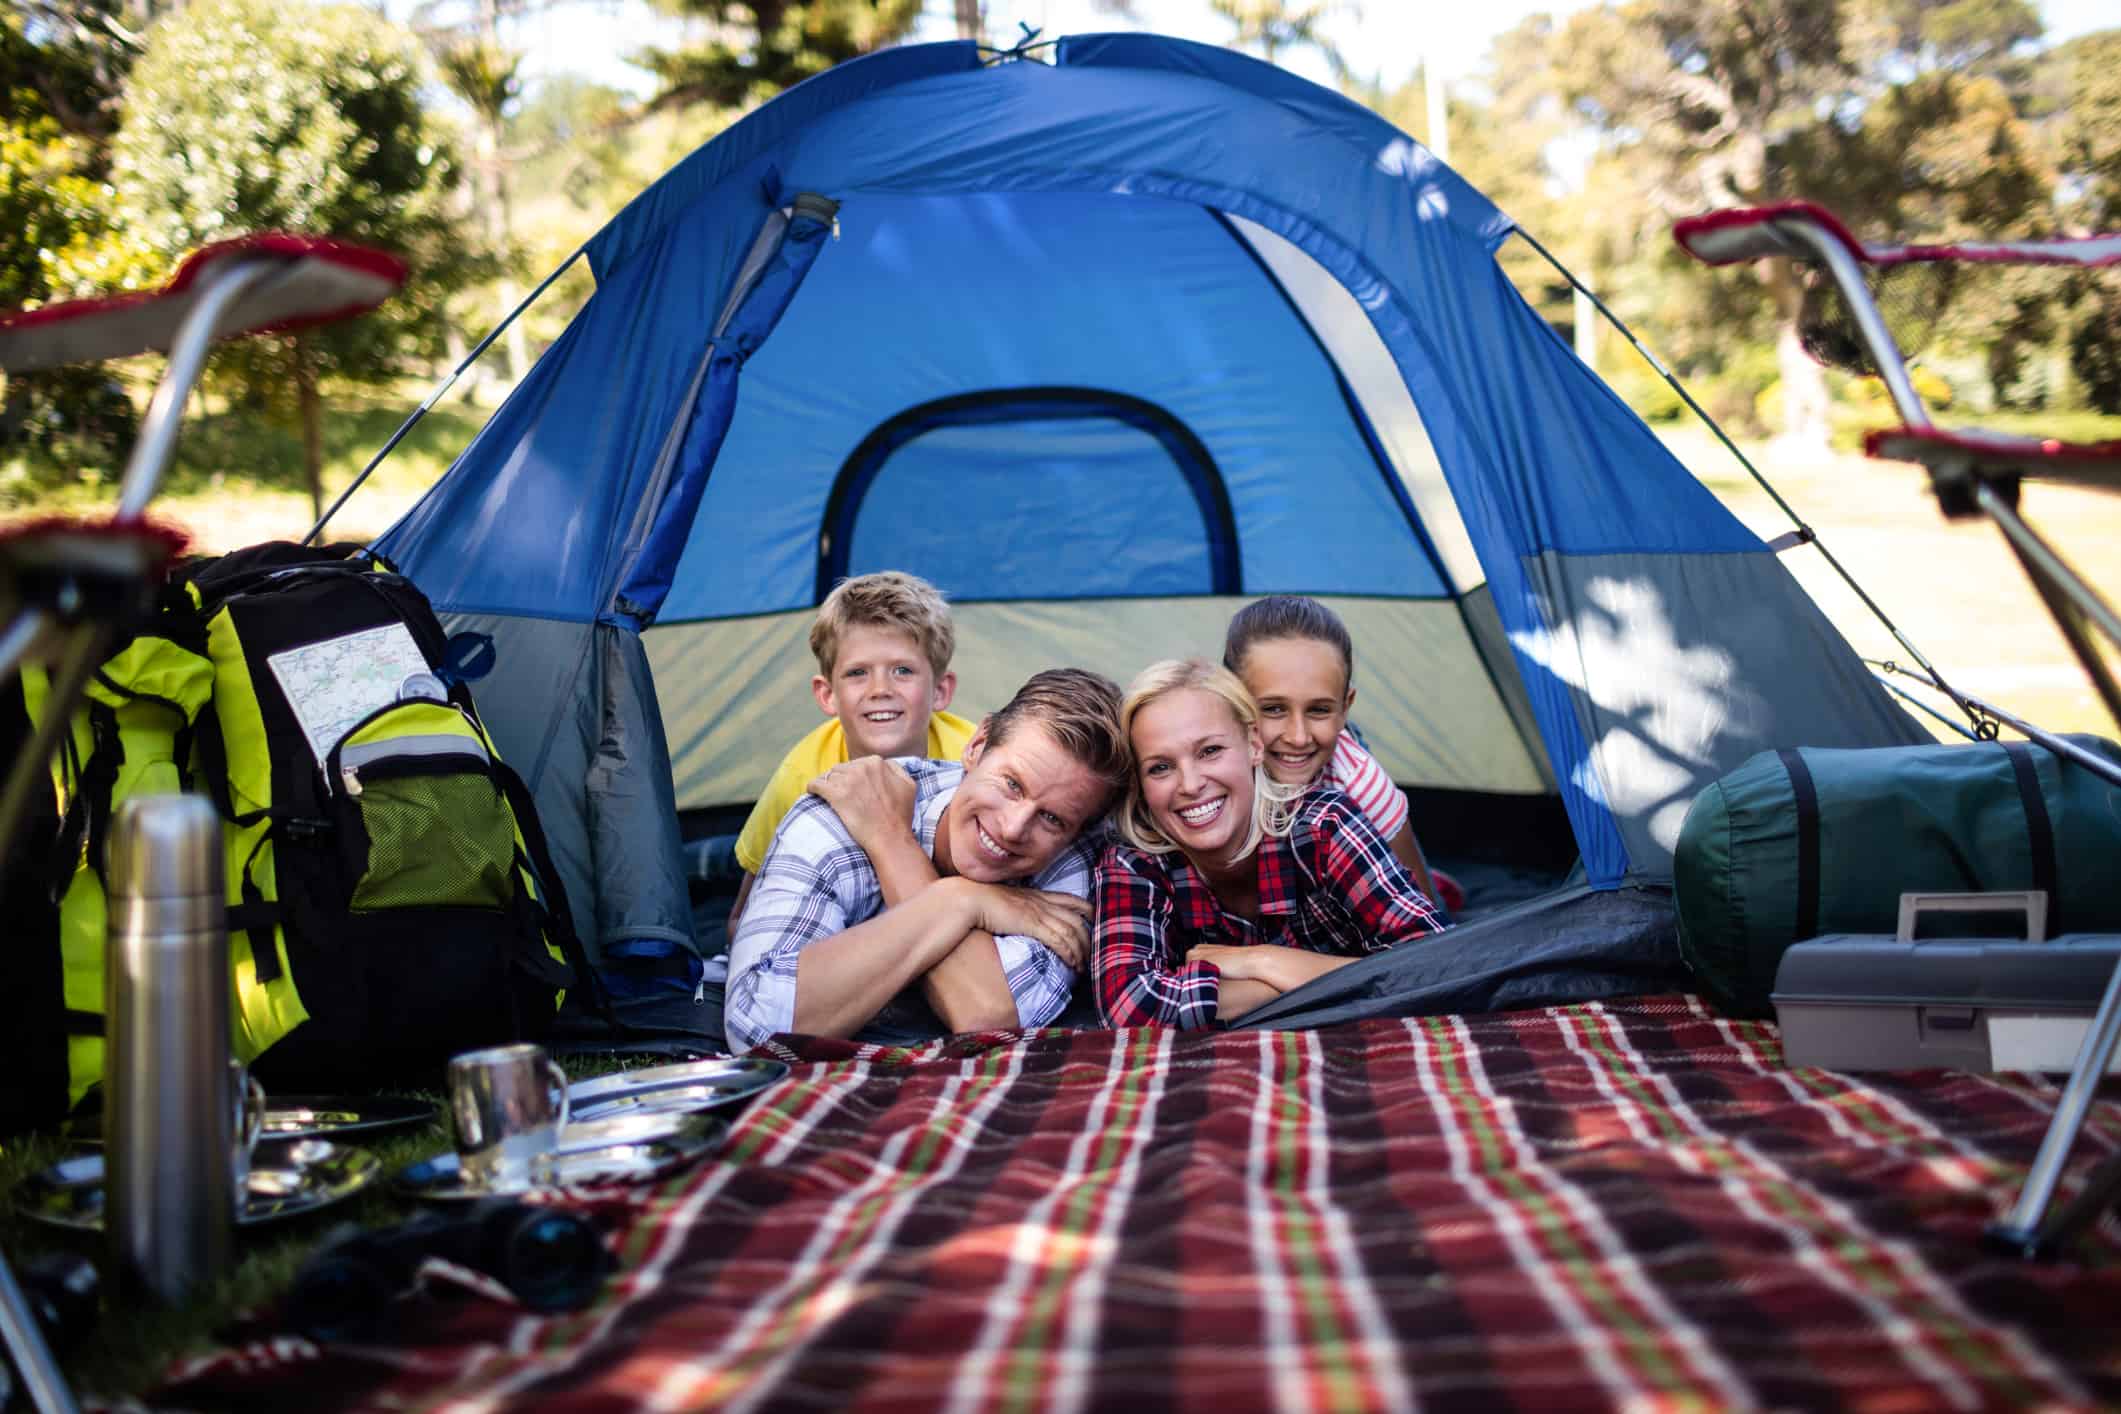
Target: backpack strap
254,915
99,780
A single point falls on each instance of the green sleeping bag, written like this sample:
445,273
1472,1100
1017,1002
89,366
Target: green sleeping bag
1797,843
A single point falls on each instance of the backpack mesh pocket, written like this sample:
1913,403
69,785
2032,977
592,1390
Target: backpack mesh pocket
435,839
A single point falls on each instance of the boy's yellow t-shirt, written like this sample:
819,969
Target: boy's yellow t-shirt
812,757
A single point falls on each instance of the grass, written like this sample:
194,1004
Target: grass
135,1342
236,479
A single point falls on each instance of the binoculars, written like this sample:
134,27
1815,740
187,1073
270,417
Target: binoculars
549,1259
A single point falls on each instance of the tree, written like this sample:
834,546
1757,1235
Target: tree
1503,125
756,48
1272,26
61,65
247,115
69,58
2090,158
2090,70
484,71
1899,113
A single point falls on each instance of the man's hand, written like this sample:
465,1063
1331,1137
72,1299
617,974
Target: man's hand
872,797
1060,921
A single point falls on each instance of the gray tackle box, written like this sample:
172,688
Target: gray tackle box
1869,1002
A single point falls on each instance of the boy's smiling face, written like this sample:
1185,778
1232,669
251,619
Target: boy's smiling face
883,689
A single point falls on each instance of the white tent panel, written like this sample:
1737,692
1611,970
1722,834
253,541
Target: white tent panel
1345,330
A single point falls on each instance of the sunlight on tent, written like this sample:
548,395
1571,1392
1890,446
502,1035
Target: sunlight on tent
1661,705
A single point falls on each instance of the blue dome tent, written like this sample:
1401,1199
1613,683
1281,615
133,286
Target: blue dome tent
1104,347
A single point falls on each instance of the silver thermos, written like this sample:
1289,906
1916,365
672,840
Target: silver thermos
169,1100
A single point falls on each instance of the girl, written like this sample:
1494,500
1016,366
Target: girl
1295,657
1219,859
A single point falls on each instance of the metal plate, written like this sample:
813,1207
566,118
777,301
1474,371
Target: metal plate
693,1085
643,1160
287,1180
345,1116
335,1117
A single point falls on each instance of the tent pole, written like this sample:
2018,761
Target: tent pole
1972,713
1923,707
436,396
2068,750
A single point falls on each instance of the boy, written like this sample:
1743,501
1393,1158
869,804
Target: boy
883,644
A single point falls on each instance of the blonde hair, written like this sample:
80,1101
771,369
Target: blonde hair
1273,804
887,599
1080,710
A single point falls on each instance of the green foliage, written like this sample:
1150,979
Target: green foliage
2090,133
1642,388
1907,117
1274,27
2095,351
756,48
247,115
66,59
59,69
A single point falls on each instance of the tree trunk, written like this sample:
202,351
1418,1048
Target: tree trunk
500,216
312,427
1804,396
969,20
454,347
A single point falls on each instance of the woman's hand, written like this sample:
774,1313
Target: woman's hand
1282,968
1236,964
1060,921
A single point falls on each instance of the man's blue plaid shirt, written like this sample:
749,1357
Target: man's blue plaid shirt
817,883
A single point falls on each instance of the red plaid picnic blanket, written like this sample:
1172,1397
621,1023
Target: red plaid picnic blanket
1619,1204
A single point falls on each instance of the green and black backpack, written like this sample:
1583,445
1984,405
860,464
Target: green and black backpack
391,901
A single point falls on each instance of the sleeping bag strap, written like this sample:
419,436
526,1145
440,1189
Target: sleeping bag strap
2039,830
1805,796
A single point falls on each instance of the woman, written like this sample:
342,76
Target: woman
1230,889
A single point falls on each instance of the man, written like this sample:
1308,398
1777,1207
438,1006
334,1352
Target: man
888,907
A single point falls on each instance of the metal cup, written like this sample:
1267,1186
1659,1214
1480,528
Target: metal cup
509,1103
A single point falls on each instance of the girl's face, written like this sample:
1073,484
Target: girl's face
1195,762
1302,689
